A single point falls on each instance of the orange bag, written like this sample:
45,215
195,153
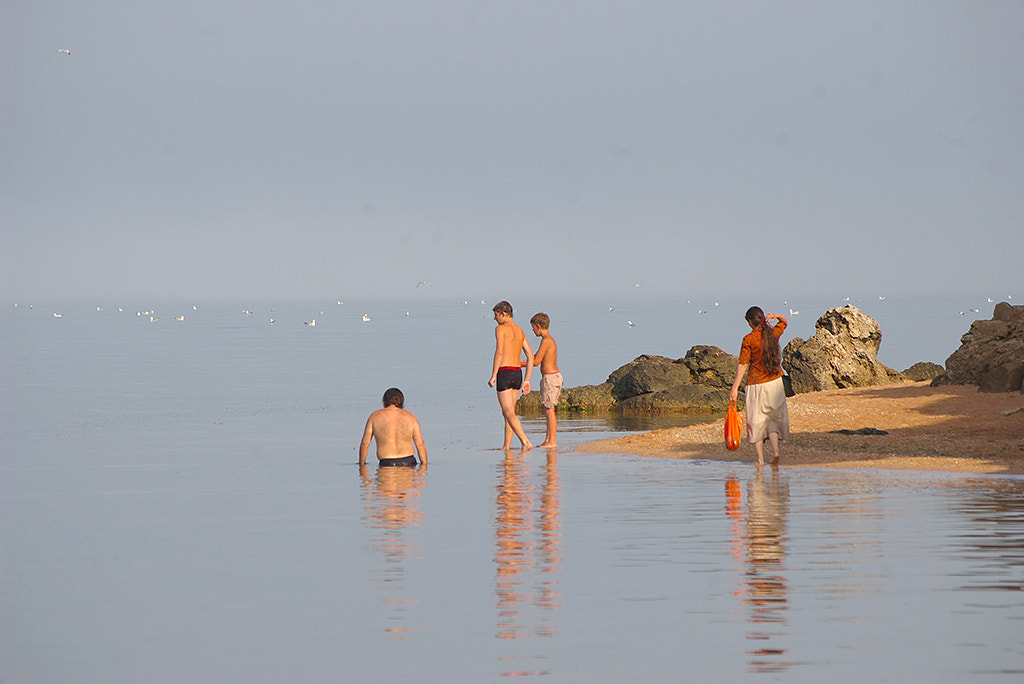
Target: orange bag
733,428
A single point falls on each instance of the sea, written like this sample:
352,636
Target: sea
180,501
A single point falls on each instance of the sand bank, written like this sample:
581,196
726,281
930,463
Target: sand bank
954,428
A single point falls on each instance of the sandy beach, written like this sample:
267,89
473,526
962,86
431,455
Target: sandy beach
952,428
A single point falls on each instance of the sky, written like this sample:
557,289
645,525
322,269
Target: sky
238,149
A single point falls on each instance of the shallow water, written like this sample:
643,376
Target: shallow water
181,502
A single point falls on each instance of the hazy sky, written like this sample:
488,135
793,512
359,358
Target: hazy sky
343,149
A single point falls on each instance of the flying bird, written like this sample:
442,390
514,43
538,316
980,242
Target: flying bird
366,318
66,52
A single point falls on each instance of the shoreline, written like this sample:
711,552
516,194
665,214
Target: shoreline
951,428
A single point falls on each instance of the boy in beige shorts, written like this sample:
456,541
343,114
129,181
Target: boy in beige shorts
546,359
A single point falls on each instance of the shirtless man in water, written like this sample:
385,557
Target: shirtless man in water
507,374
396,432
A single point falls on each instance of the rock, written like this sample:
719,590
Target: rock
647,374
679,399
583,398
991,353
697,383
923,370
843,352
711,366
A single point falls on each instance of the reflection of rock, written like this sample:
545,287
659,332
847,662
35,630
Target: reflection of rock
991,353
843,352
681,399
923,370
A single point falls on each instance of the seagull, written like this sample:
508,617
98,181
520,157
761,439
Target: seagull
962,313
366,318
990,300
631,324
423,282
66,52
882,299
180,319
311,323
57,315
99,308
272,321
975,311
794,313
702,311
153,319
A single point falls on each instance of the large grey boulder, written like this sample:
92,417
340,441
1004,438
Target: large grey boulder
646,374
711,366
843,352
991,353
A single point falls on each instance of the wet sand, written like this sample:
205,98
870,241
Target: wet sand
953,428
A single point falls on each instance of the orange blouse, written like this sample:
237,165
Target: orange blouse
750,353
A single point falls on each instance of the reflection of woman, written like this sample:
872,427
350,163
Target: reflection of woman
766,590
761,361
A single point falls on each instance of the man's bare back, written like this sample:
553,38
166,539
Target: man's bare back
396,432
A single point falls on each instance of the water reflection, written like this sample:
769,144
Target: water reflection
763,588
994,540
393,510
528,553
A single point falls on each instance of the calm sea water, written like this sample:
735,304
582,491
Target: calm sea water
181,502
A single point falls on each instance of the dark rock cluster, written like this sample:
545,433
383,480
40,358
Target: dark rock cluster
843,352
991,353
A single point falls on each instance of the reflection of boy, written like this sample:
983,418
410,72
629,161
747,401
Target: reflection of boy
506,373
551,378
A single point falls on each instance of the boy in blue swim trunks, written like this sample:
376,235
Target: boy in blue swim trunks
506,372
396,432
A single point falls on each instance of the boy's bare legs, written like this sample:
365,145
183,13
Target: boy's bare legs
507,401
551,437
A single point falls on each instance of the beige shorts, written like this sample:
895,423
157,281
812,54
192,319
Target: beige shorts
550,388
766,411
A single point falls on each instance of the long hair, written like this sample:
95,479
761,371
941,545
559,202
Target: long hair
771,355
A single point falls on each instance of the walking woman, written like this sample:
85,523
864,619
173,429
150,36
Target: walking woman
761,362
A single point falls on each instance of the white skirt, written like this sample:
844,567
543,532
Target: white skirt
766,411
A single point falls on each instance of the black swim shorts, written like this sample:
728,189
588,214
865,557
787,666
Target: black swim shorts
402,461
509,378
